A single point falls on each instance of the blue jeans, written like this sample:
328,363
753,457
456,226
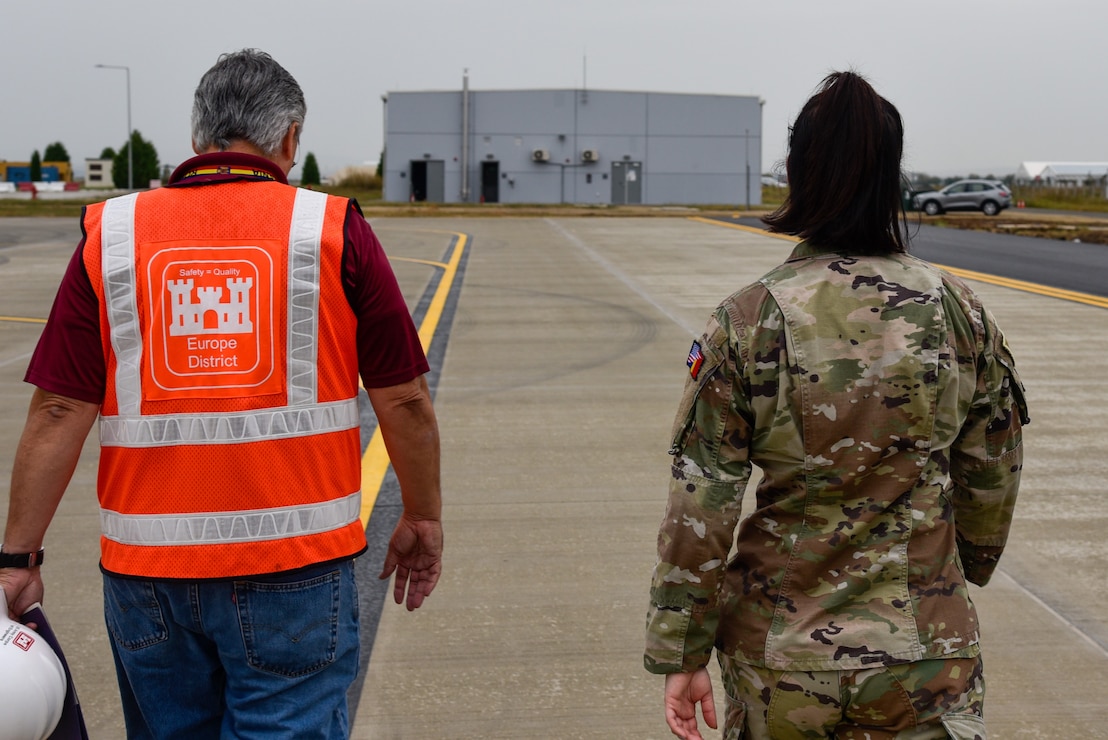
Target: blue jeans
266,657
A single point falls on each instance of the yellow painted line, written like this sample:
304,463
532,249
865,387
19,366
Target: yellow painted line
983,277
432,263
22,320
1046,290
743,227
375,461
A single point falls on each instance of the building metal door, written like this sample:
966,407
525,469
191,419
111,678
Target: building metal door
428,180
436,181
490,182
418,174
626,183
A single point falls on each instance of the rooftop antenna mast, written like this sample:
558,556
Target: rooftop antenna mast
465,135
585,78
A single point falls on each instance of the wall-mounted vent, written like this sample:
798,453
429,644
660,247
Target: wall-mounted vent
590,155
540,155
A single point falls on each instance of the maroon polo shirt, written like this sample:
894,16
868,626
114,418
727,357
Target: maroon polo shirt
69,359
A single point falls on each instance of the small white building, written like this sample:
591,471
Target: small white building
98,173
1061,174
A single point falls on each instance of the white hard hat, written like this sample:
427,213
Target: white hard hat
32,683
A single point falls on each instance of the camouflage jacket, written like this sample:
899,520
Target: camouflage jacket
880,402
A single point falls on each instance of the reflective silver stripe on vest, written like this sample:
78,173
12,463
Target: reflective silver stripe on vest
243,426
223,527
117,264
305,238
302,416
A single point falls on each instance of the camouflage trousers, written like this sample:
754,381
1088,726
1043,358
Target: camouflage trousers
924,699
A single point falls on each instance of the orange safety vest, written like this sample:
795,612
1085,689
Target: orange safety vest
229,430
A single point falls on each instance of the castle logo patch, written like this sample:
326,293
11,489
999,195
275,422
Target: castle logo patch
212,322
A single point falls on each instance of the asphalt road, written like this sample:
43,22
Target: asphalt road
1067,265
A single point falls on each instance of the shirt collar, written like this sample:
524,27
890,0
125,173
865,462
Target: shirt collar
806,249
226,167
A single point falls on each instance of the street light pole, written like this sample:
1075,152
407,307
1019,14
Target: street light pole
746,143
130,143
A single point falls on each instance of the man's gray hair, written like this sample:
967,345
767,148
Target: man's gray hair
246,96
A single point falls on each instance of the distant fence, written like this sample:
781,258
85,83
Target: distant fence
44,187
1094,188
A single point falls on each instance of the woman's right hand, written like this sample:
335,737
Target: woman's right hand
683,692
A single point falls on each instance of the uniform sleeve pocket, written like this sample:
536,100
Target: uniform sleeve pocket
1015,385
703,362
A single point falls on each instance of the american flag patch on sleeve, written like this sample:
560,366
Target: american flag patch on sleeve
696,359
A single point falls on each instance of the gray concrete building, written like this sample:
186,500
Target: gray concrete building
572,146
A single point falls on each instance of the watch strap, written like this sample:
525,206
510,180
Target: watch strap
21,559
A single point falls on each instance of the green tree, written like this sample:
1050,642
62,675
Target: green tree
108,153
310,174
36,167
381,165
55,152
145,162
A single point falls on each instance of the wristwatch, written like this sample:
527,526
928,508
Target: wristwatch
21,559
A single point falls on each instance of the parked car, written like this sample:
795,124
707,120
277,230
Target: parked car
988,196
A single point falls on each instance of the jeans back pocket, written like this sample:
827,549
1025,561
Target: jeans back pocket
132,613
290,629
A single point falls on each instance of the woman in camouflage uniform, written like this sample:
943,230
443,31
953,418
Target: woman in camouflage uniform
881,404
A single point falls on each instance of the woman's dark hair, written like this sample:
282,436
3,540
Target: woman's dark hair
844,170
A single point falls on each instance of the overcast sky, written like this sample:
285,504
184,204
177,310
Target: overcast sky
982,84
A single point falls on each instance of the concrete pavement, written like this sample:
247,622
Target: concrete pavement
563,366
